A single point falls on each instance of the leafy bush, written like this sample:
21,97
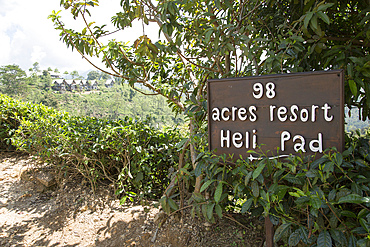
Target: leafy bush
11,114
131,154
314,202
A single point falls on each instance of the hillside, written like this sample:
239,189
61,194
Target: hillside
113,103
116,102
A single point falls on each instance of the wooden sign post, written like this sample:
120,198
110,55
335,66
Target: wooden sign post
282,114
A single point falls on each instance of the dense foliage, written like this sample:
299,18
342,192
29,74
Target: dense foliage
132,155
218,39
12,79
315,202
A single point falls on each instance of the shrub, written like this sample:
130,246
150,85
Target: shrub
314,202
129,153
11,113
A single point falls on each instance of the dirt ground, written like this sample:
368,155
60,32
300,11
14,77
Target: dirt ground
34,211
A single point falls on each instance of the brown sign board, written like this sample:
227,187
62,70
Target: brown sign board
281,114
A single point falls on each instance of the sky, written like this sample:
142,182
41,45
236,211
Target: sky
28,36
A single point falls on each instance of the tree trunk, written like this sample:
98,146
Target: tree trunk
227,63
193,155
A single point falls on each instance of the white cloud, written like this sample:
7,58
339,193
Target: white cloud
5,46
27,36
38,54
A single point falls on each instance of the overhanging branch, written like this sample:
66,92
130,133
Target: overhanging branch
349,39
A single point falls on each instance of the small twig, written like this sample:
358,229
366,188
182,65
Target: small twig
232,219
337,216
308,222
168,192
188,206
155,235
156,231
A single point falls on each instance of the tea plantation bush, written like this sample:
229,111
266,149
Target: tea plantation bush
311,202
128,153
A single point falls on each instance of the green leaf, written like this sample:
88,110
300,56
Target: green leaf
180,144
280,231
338,158
348,214
324,239
208,36
146,21
339,238
210,210
192,212
281,191
123,200
352,241
332,194
294,238
247,178
218,192
352,87
301,200
292,179
165,205
206,185
333,220
364,224
364,242
247,205
199,156
363,213
255,188
218,211
323,7
304,235
139,177
198,169
171,8
352,198
172,204
329,167
258,170
323,17
315,202
307,19
218,4
314,22
204,211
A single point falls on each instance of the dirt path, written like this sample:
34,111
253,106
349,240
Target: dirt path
32,214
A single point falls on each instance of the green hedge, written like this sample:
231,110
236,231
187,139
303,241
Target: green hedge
133,155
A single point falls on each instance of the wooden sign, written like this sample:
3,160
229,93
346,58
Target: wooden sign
281,114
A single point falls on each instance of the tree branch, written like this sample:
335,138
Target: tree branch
83,56
130,61
147,94
349,39
96,40
200,66
169,39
